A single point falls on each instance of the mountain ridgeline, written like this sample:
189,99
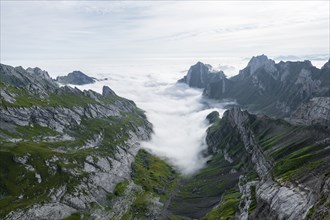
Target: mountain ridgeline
276,89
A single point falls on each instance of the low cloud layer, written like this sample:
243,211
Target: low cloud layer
177,112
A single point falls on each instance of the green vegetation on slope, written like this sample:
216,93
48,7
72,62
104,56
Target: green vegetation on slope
294,149
227,208
152,178
61,97
16,180
153,174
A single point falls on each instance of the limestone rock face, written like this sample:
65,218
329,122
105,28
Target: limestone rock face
315,111
275,198
39,72
256,63
35,80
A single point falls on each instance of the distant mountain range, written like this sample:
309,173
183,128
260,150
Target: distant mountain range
276,89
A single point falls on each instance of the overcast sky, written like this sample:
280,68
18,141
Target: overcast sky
92,30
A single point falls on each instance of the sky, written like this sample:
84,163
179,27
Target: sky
48,33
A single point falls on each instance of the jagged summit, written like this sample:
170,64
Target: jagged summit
200,74
38,72
34,80
258,61
75,78
107,92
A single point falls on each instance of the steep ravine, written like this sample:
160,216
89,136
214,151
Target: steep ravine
258,168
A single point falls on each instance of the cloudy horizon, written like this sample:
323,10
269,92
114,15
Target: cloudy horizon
49,33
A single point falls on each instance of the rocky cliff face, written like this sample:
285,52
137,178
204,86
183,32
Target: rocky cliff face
68,149
75,78
258,168
281,154
315,111
200,75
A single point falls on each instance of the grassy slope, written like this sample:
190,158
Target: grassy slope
157,179
294,149
23,98
16,180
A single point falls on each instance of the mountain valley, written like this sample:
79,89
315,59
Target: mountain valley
68,153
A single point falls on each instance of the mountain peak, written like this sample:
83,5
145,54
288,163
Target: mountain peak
77,72
259,61
107,92
76,78
200,75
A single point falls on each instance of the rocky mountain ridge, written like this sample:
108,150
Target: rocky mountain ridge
259,168
276,89
68,149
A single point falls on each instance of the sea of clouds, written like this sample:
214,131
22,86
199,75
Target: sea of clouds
177,112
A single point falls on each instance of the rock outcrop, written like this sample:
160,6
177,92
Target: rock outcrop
315,111
107,92
35,80
212,117
200,75
75,78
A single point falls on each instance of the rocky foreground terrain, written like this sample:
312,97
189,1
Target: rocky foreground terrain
66,153
72,154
